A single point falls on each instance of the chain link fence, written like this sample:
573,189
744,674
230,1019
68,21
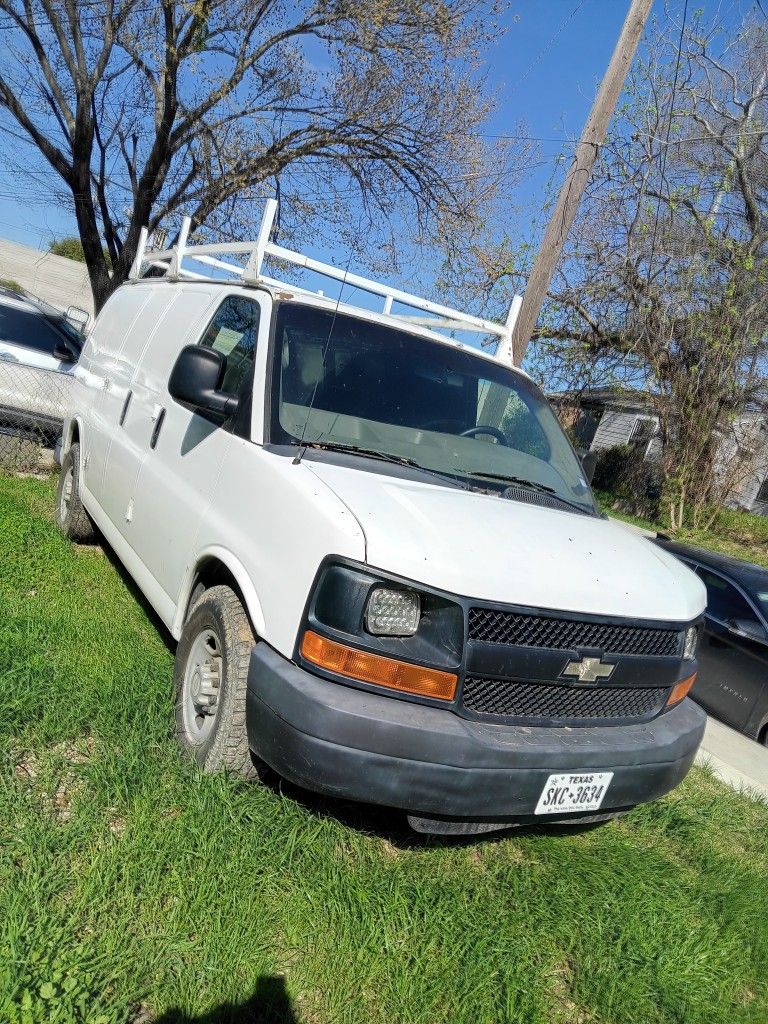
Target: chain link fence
33,401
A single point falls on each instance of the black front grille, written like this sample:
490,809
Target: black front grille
497,627
507,698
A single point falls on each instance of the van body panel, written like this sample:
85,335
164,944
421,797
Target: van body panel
106,374
282,522
175,456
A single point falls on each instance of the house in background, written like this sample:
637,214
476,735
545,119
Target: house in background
601,418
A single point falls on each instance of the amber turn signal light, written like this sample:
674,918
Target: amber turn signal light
373,668
681,689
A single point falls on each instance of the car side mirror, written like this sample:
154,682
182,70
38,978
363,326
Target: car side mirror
588,462
196,380
747,628
64,353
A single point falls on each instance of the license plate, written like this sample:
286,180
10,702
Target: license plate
563,794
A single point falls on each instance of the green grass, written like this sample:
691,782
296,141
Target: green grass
133,887
739,534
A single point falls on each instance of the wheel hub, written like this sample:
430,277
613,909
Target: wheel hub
66,490
205,683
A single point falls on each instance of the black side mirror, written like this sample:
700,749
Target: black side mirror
64,353
588,463
196,380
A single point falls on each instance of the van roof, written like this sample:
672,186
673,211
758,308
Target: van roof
440,318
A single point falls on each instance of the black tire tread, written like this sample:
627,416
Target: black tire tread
228,748
75,523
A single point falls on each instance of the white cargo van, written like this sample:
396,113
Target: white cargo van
377,550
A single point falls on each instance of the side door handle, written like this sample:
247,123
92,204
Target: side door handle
158,426
126,403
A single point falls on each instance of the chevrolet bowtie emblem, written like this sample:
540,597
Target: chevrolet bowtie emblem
588,670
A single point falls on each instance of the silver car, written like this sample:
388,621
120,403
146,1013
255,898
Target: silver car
39,347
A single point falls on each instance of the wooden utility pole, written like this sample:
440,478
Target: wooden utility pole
576,180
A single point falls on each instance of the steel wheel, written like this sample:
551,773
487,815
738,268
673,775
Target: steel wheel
202,686
67,485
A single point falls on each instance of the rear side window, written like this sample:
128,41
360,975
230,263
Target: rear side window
22,327
724,602
233,332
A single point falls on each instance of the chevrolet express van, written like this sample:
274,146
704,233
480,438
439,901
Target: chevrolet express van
377,550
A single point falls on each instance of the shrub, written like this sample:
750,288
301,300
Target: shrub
625,474
11,285
70,247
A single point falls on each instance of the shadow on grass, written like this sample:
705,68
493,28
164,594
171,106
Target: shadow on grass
392,825
136,594
269,1004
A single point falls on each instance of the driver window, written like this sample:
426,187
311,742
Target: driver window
233,332
497,404
724,602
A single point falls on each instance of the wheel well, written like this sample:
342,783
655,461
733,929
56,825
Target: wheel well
213,573
72,437
762,736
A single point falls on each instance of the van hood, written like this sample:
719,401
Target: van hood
493,549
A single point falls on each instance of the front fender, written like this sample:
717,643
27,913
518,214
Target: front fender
73,425
243,580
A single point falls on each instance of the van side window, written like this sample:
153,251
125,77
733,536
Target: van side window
233,332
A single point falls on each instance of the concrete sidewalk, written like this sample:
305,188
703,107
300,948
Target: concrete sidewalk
740,762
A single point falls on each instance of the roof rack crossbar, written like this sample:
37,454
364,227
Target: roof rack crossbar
251,273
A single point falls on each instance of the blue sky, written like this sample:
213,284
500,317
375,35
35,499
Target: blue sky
544,70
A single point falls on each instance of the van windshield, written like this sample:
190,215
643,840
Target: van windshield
346,381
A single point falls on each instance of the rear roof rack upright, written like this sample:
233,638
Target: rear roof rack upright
172,262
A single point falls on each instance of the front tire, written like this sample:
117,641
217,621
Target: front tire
210,677
71,517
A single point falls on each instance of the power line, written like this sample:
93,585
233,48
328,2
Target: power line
546,48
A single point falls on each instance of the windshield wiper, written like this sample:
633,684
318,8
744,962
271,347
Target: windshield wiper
521,481
353,449
532,485
374,453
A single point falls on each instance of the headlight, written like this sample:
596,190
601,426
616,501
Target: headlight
392,618
391,612
691,640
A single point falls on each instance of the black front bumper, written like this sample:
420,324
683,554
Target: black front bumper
348,743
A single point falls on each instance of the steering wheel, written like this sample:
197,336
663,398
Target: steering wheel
493,431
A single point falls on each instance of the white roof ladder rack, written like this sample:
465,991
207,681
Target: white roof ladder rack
171,260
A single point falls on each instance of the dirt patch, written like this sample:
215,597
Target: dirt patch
565,1009
53,779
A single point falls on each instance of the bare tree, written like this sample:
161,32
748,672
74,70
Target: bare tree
665,283
149,109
